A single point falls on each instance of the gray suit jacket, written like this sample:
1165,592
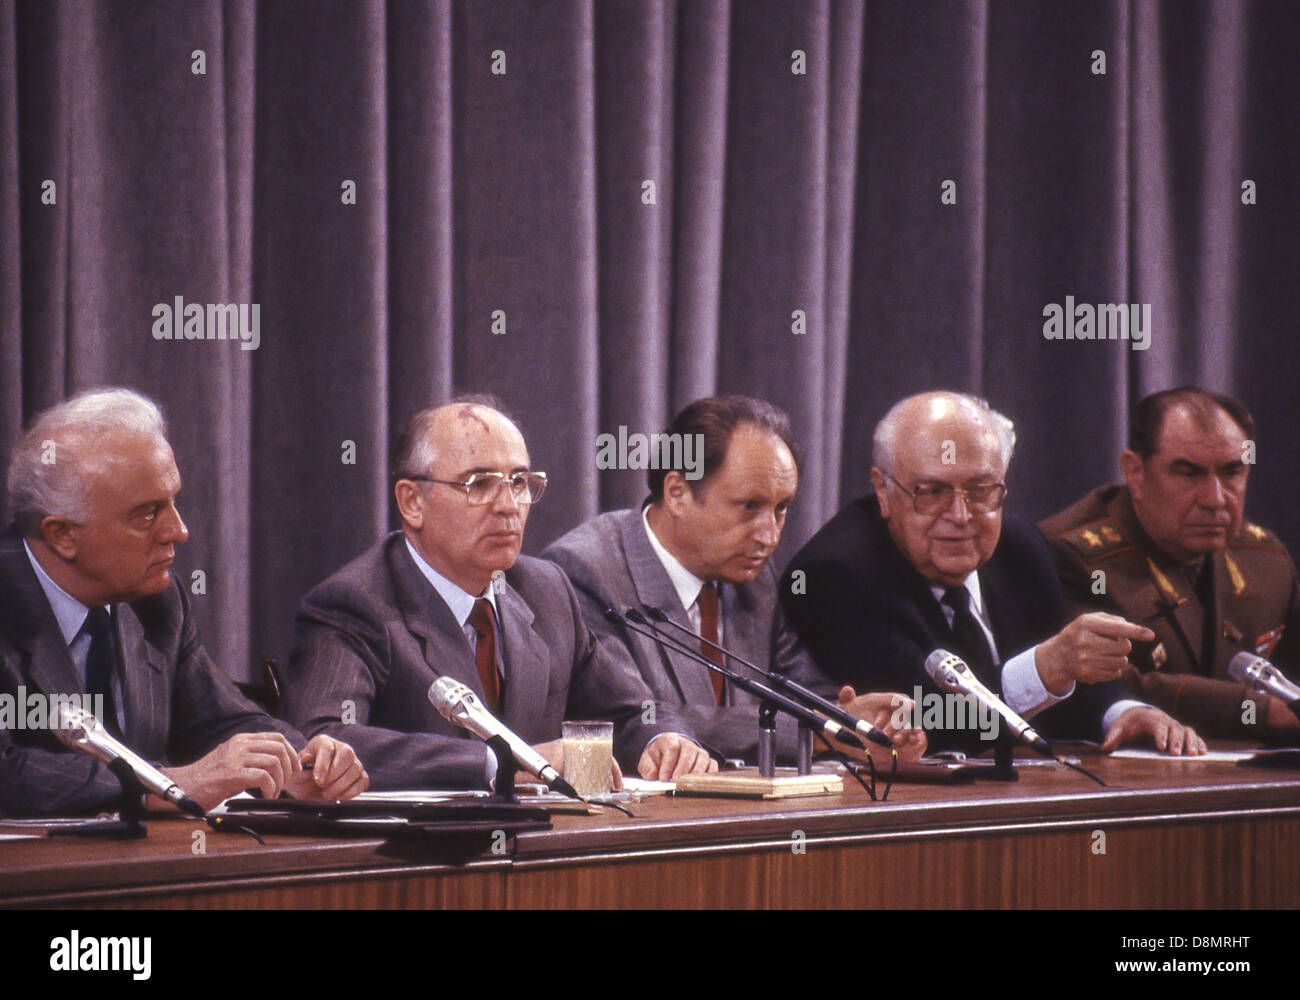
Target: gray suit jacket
178,704
611,563
372,639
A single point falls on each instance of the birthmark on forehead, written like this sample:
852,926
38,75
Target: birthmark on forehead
467,412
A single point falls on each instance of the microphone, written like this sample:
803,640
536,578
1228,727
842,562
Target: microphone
1260,675
828,727
951,673
459,705
810,698
79,730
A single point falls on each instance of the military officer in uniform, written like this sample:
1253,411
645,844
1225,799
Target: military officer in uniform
1169,549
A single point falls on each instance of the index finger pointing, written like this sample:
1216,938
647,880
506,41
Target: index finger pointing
1115,627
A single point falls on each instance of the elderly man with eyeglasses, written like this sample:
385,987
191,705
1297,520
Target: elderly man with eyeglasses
929,561
450,595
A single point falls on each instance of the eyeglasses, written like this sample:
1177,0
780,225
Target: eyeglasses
930,499
481,487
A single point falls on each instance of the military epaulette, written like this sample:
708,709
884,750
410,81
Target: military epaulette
1254,537
1098,539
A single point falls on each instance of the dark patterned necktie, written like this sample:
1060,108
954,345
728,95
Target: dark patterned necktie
100,664
971,642
485,653
708,605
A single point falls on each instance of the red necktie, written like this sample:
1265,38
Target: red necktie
485,652
708,605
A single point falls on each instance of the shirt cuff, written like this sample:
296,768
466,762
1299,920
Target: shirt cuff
1023,690
1118,709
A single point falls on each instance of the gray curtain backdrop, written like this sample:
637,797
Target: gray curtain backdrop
798,153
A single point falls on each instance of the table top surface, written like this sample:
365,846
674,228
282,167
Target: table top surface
1046,797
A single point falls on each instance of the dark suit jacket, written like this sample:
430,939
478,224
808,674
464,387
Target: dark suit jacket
869,618
612,565
1256,609
372,639
178,704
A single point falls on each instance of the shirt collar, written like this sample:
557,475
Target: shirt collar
972,585
461,602
69,612
685,583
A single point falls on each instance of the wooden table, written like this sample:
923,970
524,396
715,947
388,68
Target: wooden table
1164,834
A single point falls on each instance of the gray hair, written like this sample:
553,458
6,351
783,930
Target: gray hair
886,434
48,469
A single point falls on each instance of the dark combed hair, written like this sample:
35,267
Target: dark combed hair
715,417
412,440
1149,415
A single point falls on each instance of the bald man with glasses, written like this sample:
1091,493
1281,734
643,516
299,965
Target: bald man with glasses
450,595
928,561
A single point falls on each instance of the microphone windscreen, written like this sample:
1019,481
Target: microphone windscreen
70,723
1239,667
938,664
444,693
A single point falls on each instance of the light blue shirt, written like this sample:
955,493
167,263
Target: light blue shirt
71,616
461,602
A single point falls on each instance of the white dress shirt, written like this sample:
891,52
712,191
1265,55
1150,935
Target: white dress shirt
1022,687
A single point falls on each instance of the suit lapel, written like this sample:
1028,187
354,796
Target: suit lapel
446,649
915,596
748,635
655,589
1001,611
1232,596
147,709
526,657
524,654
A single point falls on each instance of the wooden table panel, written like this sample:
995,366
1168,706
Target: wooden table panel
1176,835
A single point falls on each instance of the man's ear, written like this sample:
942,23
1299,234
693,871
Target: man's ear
881,486
410,503
677,493
60,534
1134,470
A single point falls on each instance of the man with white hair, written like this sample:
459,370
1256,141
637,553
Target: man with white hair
928,561
88,607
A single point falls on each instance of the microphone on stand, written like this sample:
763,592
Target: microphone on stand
953,674
827,727
460,706
1259,674
810,698
79,730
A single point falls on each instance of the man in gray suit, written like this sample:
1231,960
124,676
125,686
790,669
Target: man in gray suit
699,550
88,606
450,595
